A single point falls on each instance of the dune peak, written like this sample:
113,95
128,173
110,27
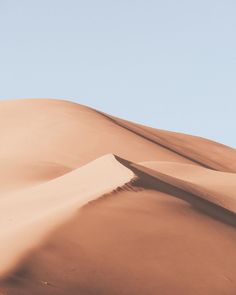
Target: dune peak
94,204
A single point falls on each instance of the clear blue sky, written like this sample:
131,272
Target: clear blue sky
169,64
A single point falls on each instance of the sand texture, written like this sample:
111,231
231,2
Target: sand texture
91,204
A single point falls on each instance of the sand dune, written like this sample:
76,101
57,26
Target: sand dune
214,186
33,212
17,174
93,204
213,155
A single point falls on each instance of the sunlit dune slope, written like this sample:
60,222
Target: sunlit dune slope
214,186
92,204
135,240
68,134
205,152
28,215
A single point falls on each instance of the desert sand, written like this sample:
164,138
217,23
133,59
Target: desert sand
93,204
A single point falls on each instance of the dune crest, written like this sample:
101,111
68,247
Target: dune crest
214,155
94,204
29,215
215,186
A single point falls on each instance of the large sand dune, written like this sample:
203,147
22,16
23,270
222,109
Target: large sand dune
93,204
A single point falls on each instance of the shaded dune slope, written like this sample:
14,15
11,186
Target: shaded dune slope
214,186
100,205
70,135
137,238
33,212
213,155
41,126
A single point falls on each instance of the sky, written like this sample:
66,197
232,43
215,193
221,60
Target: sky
167,64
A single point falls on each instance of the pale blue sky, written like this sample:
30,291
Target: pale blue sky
169,64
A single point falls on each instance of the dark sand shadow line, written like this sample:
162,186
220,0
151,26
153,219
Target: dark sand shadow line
154,139
147,181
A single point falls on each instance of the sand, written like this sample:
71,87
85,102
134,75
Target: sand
93,204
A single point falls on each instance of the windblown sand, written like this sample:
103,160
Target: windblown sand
91,204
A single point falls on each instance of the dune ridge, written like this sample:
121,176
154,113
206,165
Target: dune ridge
216,156
219,203
214,186
32,213
94,204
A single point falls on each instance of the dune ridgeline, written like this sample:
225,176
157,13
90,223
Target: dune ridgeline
91,204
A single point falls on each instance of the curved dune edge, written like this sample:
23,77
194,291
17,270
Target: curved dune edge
216,205
58,121
148,214
29,215
215,156
213,186
49,205
69,135
162,202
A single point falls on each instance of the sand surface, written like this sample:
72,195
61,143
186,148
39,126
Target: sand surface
93,204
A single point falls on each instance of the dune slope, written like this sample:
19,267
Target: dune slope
33,212
93,204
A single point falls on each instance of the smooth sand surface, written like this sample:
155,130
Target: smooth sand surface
214,186
28,215
93,204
